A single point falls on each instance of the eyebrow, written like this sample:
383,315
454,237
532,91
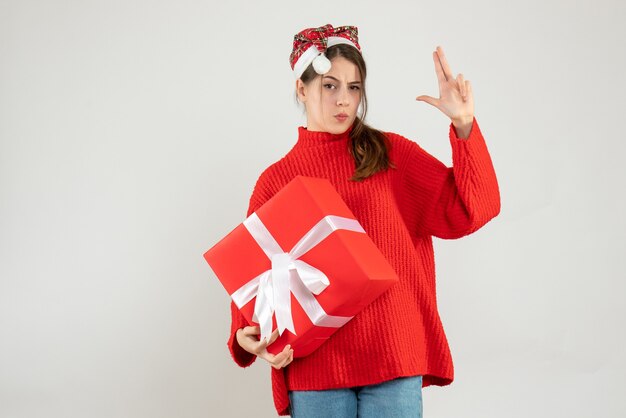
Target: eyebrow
352,82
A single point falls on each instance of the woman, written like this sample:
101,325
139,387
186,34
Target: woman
377,363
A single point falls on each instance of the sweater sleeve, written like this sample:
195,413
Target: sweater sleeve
451,202
240,356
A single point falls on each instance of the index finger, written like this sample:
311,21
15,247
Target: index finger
439,69
444,63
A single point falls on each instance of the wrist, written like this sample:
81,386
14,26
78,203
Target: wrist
463,126
462,121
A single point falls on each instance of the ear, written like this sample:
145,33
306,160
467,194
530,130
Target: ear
301,90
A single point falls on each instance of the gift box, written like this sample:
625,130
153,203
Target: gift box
301,263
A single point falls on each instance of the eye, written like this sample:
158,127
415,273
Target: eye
326,85
356,87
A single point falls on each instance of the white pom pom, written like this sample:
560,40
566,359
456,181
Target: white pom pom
321,64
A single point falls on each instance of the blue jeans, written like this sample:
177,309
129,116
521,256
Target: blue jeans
397,398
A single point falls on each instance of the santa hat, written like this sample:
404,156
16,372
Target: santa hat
309,46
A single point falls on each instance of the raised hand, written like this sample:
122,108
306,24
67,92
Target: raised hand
456,100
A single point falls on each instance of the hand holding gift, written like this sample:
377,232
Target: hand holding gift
247,341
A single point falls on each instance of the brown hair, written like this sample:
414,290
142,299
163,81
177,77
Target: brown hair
369,146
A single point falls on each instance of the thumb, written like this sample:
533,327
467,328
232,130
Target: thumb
427,99
273,337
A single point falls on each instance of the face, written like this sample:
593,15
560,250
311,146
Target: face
340,94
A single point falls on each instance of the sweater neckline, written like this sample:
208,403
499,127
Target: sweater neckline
312,138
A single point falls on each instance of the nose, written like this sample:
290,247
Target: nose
344,98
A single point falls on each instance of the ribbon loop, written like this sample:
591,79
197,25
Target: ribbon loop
273,287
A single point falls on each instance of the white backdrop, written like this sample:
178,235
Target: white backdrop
132,133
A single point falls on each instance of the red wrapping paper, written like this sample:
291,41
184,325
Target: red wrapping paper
356,270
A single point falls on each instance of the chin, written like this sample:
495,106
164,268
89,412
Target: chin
338,131
340,127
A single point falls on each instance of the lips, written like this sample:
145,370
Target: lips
341,116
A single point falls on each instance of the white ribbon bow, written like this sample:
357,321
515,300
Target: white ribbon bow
288,274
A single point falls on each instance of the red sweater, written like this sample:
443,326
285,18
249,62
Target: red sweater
400,333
